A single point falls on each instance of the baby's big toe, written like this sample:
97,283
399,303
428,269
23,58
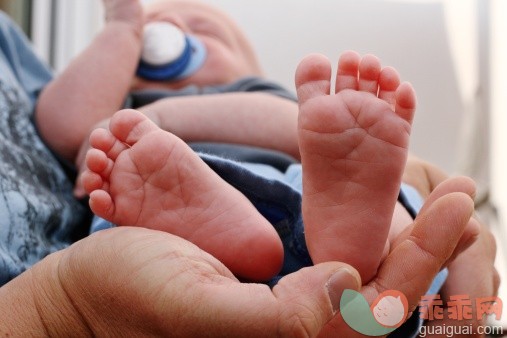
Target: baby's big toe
313,77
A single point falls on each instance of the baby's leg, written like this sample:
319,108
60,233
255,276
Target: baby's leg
140,175
353,148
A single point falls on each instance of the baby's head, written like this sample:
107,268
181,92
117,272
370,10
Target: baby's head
229,54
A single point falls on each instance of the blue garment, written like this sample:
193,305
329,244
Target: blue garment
144,97
38,214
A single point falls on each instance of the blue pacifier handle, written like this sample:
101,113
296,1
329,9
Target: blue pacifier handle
187,63
168,71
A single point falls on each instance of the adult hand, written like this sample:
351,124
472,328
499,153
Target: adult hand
472,273
138,282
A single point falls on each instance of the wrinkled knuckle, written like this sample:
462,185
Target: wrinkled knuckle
298,324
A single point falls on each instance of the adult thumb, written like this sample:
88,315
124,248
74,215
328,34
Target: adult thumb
309,298
300,304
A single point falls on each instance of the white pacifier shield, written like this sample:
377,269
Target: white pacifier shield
163,43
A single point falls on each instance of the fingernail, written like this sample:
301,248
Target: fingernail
343,279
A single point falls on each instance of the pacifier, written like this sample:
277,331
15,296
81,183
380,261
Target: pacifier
169,54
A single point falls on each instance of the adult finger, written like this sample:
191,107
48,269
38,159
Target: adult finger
455,184
412,265
472,274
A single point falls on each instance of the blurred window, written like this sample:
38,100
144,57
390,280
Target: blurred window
20,11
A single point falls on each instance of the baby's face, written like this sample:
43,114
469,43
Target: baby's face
229,54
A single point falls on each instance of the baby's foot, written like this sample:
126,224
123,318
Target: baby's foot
353,148
140,175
